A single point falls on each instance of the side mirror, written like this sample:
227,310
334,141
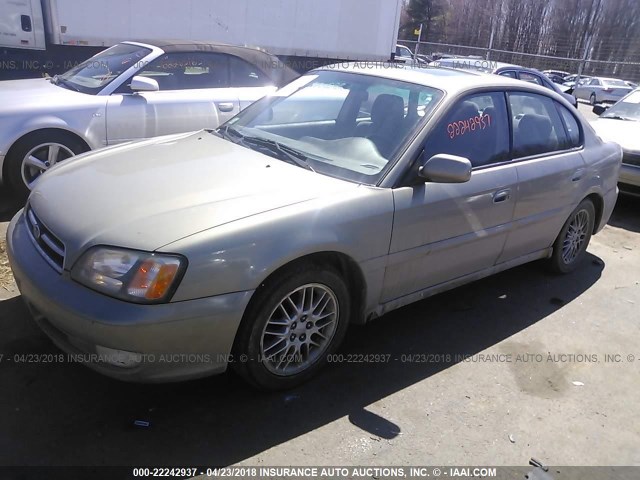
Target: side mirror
599,109
443,168
144,84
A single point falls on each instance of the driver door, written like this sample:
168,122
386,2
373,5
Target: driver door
194,93
443,232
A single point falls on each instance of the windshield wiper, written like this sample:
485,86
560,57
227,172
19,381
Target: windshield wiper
230,133
283,152
66,84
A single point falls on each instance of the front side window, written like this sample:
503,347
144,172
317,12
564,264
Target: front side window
475,128
508,73
536,125
343,124
189,70
100,70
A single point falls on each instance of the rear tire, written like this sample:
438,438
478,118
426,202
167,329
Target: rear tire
569,249
592,99
34,154
291,327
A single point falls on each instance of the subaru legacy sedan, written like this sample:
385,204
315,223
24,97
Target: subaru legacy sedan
127,92
349,193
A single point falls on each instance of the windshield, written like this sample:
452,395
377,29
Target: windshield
100,70
628,108
346,125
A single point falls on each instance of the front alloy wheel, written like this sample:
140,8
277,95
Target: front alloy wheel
291,326
299,329
40,159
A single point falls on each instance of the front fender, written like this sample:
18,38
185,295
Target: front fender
240,255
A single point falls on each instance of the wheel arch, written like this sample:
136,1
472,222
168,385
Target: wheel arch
343,264
598,204
54,130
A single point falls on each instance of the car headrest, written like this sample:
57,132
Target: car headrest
387,108
465,111
538,126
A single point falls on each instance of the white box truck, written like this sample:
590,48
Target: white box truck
71,30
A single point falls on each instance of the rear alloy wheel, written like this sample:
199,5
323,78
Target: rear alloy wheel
571,245
291,328
592,99
33,155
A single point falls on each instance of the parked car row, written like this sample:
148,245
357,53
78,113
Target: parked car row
348,193
505,69
593,89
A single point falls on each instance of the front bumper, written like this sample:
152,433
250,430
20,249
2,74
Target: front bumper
174,341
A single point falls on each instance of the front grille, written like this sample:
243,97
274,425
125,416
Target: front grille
49,246
631,158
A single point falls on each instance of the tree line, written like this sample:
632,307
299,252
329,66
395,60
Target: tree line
602,30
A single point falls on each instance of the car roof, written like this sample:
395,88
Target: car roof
449,80
265,60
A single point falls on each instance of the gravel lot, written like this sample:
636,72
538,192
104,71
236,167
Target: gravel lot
518,370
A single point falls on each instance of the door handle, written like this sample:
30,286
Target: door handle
577,176
502,195
226,106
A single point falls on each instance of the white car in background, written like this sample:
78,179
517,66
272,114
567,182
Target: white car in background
128,92
621,124
602,89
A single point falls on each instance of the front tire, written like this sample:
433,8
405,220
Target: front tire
292,326
592,99
34,154
569,249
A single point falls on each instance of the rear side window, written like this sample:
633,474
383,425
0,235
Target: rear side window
189,71
536,125
571,126
244,74
475,128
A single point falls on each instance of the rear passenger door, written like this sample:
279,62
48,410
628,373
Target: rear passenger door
546,152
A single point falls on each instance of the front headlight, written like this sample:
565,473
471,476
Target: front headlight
130,275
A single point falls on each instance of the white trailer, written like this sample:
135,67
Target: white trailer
22,25
337,29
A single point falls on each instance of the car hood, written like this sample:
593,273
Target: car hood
624,132
22,95
148,194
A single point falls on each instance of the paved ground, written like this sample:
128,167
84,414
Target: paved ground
537,385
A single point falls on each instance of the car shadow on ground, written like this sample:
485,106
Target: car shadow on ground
65,414
627,213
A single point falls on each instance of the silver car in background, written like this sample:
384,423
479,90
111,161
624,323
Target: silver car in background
601,89
256,245
127,92
620,123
